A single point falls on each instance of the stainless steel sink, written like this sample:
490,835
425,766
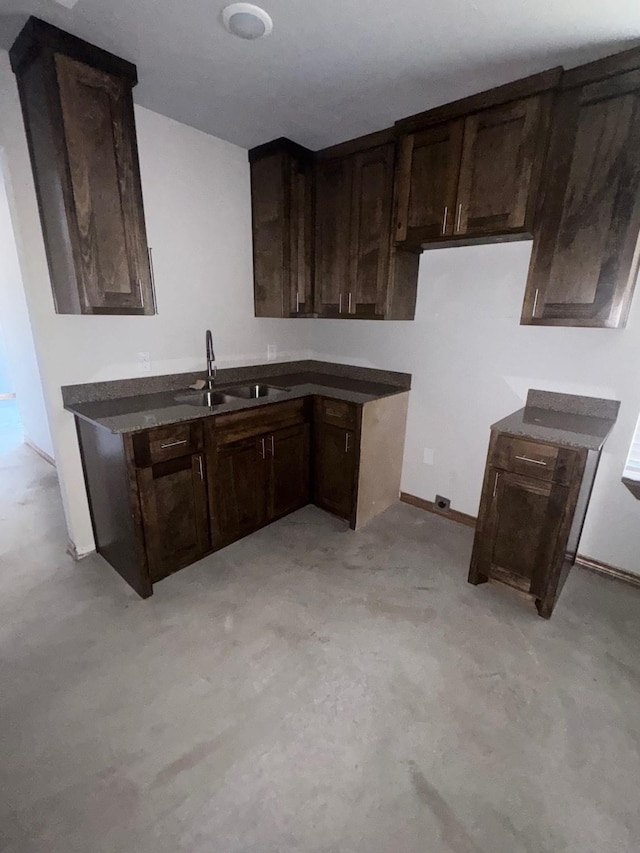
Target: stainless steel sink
253,392
206,398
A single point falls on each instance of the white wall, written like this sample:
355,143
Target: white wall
197,207
472,364
18,338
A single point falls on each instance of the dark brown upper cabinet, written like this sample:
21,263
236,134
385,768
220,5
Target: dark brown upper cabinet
585,253
359,273
470,171
500,168
282,210
428,183
78,114
333,196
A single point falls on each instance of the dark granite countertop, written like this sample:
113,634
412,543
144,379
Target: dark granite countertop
133,412
566,419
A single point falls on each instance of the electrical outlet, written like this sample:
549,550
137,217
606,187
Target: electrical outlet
144,362
441,503
427,456
272,352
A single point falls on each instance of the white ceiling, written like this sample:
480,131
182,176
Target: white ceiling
332,69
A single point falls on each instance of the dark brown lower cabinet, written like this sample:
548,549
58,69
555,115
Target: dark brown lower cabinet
532,509
257,480
238,493
288,470
165,497
335,469
173,500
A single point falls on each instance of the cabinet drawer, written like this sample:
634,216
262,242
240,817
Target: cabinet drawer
170,442
235,426
534,459
336,412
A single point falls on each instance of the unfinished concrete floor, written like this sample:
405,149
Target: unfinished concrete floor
308,689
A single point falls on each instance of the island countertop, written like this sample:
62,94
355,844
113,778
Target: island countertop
568,419
125,406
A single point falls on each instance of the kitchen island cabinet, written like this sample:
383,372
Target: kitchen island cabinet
541,466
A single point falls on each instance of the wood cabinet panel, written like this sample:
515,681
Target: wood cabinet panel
500,167
288,475
335,469
78,113
334,192
237,488
429,164
370,231
585,255
282,216
173,498
523,522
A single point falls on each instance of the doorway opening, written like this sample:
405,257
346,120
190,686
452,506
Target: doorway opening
11,434
23,415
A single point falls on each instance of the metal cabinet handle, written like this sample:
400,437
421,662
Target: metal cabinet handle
444,218
495,484
173,444
297,301
349,308
346,442
153,281
262,445
533,461
535,302
458,217
340,304
273,447
141,293
200,471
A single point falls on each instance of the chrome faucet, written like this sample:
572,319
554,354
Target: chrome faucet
211,361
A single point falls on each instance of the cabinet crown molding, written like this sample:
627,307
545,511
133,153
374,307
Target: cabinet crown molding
38,36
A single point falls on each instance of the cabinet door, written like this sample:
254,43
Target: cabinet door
585,260
521,521
281,202
334,181
238,489
427,183
288,475
371,205
173,499
499,171
335,469
106,218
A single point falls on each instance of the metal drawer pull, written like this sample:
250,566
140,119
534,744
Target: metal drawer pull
346,442
444,219
297,301
200,471
533,461
273,447
340,304
458,217
262,448
349,308
495,484
173,444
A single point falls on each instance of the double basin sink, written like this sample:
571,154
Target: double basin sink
208,399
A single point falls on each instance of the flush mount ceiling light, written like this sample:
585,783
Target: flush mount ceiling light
246,21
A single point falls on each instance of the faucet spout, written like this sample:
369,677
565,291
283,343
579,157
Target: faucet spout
211,360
